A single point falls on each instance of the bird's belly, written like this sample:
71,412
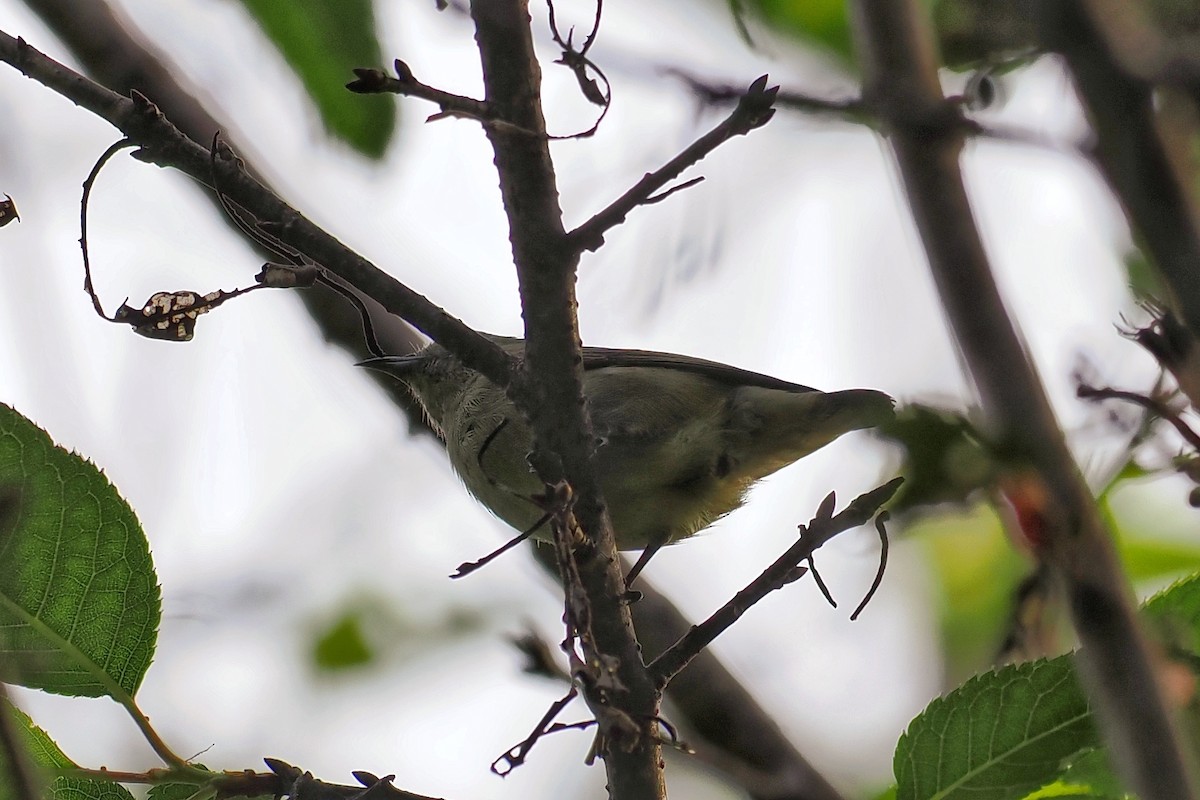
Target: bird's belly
653,496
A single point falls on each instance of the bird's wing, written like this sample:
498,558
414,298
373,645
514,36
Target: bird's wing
601,357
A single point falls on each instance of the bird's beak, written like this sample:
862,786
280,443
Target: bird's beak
396,366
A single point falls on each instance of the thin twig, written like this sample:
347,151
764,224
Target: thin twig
88,183
754,109
376,81
514,756
883,557
823,527
1152,404
861,111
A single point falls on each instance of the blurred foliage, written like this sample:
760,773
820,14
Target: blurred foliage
1143,277
323,42
984,32
343,644
821,22
368,629
945,459
977,571
971,33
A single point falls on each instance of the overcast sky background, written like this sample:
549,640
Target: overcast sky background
279,488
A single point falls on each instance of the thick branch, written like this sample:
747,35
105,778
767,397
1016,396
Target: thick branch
1130,150
163,144
554,400
1115,661
114,55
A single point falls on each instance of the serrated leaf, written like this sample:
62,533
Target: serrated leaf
44,752
74,789
79,600
999,736
20,777
323,42
1180,601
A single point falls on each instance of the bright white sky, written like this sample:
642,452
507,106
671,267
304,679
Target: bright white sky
278,486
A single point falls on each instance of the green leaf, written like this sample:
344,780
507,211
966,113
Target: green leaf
1179,602
20,777
1093,770
42,750
45,753
323,42
945,459
999,736
1174,614
79,600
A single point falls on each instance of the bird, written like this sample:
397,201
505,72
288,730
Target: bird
679,441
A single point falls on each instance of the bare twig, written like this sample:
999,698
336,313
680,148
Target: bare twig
168,316
115,54
580,65
753,111
515,755
374,81
880,526
742,738
861,111
1173,347
88,182
823,527
1154,405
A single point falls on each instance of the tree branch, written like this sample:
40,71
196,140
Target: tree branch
164,144
554,401
753,111
115,56
1130,150
784,570
1060,516
374,81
